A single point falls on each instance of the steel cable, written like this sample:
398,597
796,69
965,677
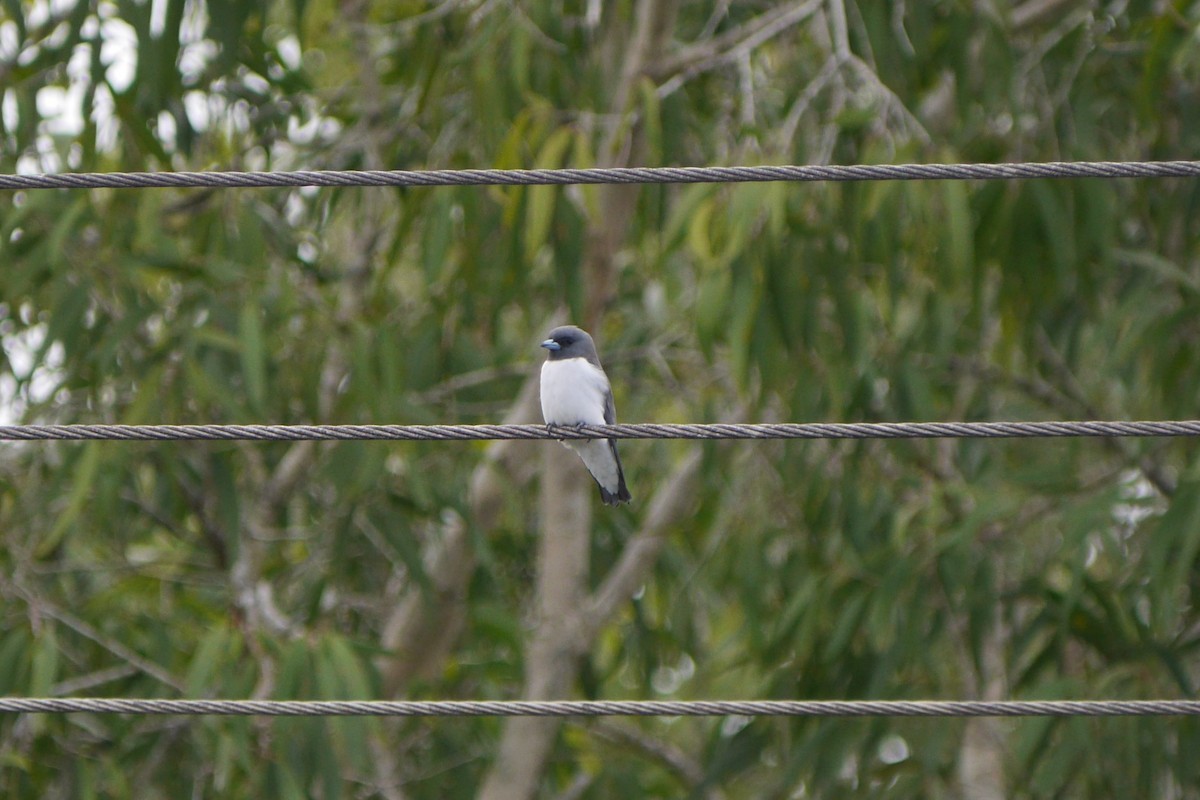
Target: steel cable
813,430
595,708
543,177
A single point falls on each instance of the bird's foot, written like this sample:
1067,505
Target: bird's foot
555,427
581,427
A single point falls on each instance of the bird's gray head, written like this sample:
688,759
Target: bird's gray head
567,341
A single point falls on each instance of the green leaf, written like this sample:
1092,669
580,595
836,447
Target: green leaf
698,237
15,662
539,211
210,659
651,121
85,469
254,357
712,301
1173,545
45,663
960,245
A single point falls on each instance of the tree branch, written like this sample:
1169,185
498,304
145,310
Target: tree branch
43,607
552,655
560,638
425,625
653,26
1033,11
637,559
704,56
690,771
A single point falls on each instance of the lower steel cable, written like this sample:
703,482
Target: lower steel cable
606,708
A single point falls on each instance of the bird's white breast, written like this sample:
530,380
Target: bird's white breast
573,392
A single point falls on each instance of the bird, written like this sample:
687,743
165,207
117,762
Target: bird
575,391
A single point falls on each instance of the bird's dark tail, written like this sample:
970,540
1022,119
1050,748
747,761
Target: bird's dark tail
622,494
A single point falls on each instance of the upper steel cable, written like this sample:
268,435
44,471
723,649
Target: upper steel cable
542,177
597,708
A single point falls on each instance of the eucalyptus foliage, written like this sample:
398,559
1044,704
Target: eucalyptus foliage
844,570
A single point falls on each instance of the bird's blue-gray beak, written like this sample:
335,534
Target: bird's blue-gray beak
550,344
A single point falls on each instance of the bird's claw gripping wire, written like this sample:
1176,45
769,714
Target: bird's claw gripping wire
554,428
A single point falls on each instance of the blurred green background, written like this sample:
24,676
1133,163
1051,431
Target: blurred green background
801,570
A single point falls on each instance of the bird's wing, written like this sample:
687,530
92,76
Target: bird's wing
610,408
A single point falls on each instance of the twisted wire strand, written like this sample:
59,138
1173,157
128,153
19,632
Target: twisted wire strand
543,177
813,430
605,708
